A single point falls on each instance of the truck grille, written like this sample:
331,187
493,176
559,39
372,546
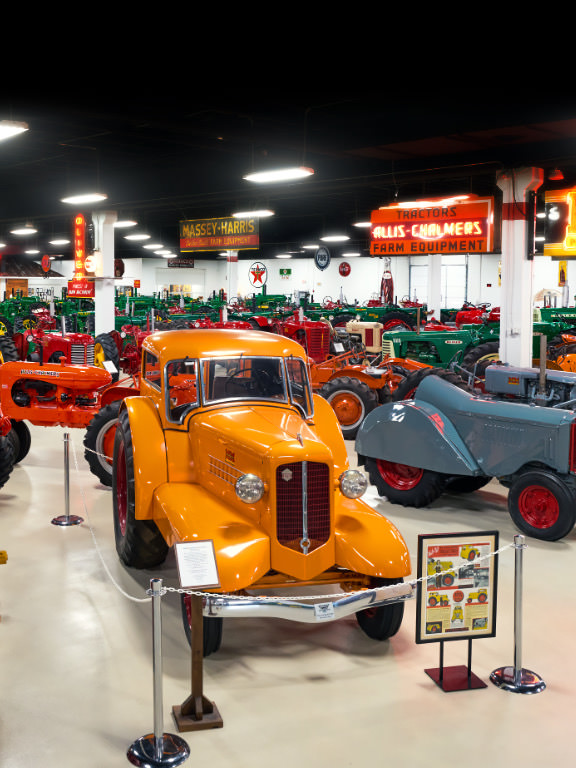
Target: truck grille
388,348
82,355
290,504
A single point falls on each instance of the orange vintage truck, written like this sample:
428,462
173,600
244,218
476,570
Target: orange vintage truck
227,442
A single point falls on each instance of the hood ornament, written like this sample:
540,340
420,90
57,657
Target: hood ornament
299,438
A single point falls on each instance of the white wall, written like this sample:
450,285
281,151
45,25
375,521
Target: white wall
362,284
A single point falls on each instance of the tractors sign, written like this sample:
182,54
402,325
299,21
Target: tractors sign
462,225
219,234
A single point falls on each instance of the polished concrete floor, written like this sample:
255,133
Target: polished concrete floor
76,660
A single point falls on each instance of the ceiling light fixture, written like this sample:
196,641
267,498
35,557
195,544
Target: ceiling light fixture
140,236
152,246
28,229
279,175
9,128
283,255
260,214
310,247
334,238
62,241
86,197
124,224
555,175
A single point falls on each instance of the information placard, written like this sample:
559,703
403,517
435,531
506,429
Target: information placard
457,586
196,561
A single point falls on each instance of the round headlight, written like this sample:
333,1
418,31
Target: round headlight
249,489
353,483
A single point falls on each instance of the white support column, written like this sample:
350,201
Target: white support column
231,274
104,290
516,325
434,302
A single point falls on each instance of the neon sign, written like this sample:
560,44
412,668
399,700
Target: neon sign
79,247
433,226
560,207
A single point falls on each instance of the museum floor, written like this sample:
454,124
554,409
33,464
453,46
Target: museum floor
76,664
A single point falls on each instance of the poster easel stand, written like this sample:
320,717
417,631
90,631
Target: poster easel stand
459,678
197,712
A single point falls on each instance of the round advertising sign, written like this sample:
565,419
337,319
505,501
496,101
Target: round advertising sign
257,274
46,263
344,269
322,257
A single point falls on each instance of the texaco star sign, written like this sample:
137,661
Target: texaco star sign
258,274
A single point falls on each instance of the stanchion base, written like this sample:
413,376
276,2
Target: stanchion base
455,678
67,520
525,682
144,753
210,719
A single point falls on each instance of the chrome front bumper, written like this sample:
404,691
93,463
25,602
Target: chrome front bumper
224,606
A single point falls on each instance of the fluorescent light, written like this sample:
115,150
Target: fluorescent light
335,238
363,224
311,247
124,223
87,197
350,255
2,245
32,252
137,237
283,256
152,246
10,128
252,214
27,230
59,242
281,174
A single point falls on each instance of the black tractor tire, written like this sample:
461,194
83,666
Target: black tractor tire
384,621
7,456
21,439
6,327
99,442
405,485
340,321
105,349
393,320
212,628
23,323
351,399
542,505
8,350
407,388
477,359
139,543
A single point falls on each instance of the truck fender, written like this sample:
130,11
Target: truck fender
417,434
149,448
186,512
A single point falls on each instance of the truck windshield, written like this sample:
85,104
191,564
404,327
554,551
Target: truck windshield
243,377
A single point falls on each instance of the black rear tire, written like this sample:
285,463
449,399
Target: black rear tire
139,543
8,350
384,621
405,485
105,349
477,359
351,400
407,388
99,442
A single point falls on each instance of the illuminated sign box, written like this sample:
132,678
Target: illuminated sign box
560,207
219,234
433,226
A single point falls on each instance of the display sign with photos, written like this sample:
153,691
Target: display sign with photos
457,586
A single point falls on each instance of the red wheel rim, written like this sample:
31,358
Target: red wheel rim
121,489
538,506
348,408
399,476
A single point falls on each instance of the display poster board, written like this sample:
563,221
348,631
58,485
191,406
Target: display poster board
197,567
457,586
219,234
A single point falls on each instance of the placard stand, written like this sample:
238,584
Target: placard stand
459,678
67,519
197,712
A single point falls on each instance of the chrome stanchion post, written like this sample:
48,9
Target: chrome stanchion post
67,518
517,679
158,748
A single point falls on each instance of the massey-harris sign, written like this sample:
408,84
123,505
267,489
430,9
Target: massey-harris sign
217,234
433,226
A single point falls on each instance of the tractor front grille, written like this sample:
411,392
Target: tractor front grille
388,348
82,355
318,343
303,502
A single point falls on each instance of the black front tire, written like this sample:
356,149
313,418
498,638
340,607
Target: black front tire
139,543
384,621
542,505
212,628
21,438
351,400
405,485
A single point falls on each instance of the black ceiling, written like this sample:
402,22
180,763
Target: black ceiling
165,161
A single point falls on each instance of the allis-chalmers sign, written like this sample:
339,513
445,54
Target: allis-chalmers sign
433,226
216,234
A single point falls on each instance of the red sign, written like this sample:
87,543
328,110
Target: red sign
45,263
136,283
79,246
344,269
81,288
433,226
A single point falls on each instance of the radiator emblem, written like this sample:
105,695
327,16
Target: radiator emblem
286,475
